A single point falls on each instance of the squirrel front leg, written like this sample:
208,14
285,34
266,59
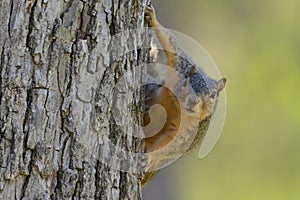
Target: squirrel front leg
161,35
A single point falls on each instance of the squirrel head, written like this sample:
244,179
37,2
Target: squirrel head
199,93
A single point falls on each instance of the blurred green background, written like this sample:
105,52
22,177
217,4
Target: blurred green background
256,45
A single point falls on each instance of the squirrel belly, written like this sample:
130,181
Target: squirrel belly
171,107
178,133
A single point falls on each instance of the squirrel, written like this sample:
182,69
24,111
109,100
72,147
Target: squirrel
189,102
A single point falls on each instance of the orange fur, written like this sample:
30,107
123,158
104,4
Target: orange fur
171,105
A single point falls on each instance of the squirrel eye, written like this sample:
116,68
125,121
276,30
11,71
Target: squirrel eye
213,94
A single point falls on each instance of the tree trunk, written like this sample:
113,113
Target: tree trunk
61,122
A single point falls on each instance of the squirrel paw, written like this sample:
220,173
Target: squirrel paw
150,17
144,163
147,162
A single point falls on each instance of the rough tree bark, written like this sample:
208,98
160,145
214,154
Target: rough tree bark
56,80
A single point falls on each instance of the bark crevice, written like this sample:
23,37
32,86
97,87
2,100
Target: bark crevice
31,23
10,18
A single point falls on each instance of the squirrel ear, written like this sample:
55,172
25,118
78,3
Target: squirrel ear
221,84
193,71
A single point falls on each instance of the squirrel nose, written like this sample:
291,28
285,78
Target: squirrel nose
192,101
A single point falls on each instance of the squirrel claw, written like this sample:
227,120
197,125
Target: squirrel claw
150,16
149,9
144,163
